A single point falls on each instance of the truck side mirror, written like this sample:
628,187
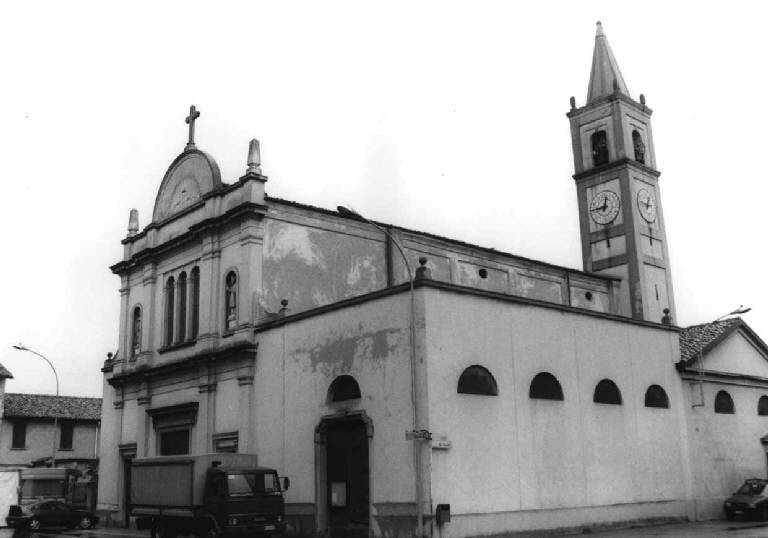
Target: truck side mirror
286,483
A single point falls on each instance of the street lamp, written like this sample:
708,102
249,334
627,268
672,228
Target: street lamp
349,212
700,353
22,347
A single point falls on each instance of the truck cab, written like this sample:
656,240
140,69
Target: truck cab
207,495
245,499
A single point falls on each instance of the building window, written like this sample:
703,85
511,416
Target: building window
724,403
656,396
19,439
477,380
225,442
67,433
599,141
182,333
230,305
637,142
174,442
343,388
194,278
136,332
606,392
545,386
170,289
762,406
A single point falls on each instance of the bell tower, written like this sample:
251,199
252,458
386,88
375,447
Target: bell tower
617,184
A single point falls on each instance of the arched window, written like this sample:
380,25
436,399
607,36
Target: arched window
170,288
194,278
343,388
724,403
762,406
599,141
656,396
606,392
545,386
477,380
136,332
230,304
182,333
637,142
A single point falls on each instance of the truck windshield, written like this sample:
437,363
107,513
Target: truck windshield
248,484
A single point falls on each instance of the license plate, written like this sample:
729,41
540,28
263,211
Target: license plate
269,527
738,511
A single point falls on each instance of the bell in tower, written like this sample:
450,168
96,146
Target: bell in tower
617,183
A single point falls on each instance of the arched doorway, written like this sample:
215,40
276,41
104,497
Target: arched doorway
343,474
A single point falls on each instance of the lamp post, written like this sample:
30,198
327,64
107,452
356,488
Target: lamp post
349,212
700,352
22,347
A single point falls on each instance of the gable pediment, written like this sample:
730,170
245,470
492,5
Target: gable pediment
737,353
191,175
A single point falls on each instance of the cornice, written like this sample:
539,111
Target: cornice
455,288
625,161
150,253
616,96
193,361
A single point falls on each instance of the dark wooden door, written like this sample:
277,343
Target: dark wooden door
348,479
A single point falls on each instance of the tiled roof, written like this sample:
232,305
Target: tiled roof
4,372
702,337
43,406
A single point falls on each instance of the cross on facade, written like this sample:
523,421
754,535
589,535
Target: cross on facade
193,115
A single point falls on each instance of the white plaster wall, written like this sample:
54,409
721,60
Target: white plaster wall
295,366
725,449
528,455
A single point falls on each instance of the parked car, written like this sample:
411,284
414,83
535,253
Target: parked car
49,513
750,500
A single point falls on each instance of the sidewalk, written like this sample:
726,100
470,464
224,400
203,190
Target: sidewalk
705,529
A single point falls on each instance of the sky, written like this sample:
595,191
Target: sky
446,117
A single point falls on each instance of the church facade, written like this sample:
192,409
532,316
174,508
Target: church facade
410,384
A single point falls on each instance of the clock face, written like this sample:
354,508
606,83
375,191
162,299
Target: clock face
646,204
604,207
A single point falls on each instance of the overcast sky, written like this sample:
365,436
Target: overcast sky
445,117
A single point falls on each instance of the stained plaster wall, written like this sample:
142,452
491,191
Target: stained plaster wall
313,258
533,460
726,449
297,363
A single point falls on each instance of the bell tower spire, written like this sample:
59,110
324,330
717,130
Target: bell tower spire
617,184
605,77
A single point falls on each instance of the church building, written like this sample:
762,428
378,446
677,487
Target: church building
411,384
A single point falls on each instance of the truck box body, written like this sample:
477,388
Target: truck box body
176,484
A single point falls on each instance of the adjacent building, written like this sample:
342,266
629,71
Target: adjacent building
412,384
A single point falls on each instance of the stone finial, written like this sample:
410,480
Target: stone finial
423,272
254,157
666,319
573,102
133,222
642,99
284,309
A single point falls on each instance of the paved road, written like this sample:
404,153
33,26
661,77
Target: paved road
710,529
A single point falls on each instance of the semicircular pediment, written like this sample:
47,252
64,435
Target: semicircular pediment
191,175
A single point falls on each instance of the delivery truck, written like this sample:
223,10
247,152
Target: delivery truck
208,495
